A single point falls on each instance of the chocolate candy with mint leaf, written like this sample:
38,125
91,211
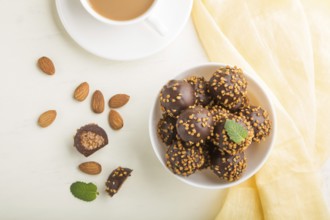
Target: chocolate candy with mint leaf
233,135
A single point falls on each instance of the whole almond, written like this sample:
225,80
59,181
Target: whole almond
81,92
46,65
98,102
91,167
115,120
118,100
47,118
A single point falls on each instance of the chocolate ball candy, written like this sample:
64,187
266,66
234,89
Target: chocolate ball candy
242,103
176,96
218,113
166,129
222,140
194,125
208,149
184,161
226,166
228,87
202,93
259,119
89,139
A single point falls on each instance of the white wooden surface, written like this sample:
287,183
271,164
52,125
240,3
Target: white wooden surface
38,165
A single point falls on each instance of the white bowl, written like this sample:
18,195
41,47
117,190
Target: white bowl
256,154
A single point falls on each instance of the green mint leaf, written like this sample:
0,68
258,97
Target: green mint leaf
84,191
235,131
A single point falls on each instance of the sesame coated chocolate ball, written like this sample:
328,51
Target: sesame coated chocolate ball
176,96
201,88
208,150
184,161
242,103
194,125
228,167
166,129
222,140
218,113
259,119
228,87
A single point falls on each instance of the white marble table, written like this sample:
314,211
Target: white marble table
38,165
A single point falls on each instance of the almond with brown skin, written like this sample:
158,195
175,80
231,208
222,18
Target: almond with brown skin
118,100
46,65
47,118
81,92
115,120
90,167
98,102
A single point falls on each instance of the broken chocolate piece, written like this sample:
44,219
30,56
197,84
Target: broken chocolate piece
89,139
116,179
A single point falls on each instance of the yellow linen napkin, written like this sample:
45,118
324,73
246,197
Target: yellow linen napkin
286,44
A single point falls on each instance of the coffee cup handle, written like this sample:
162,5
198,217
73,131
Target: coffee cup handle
155,24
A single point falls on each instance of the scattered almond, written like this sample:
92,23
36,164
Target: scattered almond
47,118
81,92
118,100
90,167
98,102
115,120
46,65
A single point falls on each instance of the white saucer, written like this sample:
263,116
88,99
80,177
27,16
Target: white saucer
124,42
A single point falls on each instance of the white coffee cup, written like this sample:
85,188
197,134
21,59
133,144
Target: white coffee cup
149,17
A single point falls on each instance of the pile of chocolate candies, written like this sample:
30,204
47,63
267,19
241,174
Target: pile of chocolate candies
195,111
